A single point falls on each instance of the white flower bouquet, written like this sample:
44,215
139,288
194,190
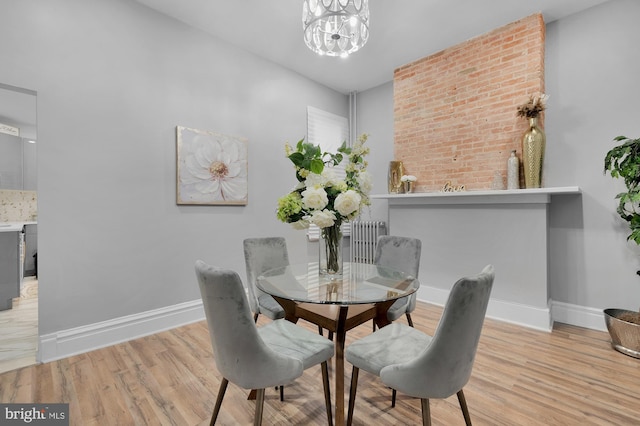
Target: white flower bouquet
319,197
322,199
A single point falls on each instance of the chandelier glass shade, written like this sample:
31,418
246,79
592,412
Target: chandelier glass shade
335,27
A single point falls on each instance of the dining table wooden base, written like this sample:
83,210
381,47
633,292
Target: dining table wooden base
337,319
365,292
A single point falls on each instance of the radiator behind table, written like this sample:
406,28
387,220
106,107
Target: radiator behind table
364,237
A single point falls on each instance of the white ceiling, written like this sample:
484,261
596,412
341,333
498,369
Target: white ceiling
401,31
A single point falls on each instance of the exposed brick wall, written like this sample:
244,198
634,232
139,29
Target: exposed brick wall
455,111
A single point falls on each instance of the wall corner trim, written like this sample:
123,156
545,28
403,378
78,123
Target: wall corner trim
580,316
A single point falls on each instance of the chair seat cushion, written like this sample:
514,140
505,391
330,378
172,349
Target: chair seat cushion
398,309
269,307
292,340
396,343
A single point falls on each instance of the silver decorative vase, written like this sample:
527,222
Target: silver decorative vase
513,171
625,336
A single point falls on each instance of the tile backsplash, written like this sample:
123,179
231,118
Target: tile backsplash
18,206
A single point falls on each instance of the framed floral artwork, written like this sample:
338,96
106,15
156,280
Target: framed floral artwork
211,168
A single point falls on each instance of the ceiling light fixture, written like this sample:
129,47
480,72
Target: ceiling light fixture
335,27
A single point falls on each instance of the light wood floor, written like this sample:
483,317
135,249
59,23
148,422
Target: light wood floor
19,328
521,377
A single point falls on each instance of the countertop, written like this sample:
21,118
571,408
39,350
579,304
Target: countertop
15,226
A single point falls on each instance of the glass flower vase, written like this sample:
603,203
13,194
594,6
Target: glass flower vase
330,252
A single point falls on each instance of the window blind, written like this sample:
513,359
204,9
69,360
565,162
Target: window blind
329,131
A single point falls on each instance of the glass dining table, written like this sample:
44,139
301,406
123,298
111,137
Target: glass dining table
364,292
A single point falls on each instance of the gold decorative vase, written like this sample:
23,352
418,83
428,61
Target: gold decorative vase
533,144
396,170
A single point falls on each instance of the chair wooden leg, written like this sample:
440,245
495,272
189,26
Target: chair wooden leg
393,398
252,393
409,320
465,409
221,391
257,421
426,412
329,333
327,391
352,394
255,317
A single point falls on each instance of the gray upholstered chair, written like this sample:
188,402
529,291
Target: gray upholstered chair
260,255
252,357
401,253
422,366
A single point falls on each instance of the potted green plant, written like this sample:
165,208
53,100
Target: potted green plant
623,161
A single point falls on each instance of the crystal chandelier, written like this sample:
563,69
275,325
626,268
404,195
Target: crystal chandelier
335,27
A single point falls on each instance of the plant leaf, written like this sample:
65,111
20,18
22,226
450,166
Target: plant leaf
316,166
297,158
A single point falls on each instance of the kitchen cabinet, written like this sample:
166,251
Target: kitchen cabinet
10,266
31,248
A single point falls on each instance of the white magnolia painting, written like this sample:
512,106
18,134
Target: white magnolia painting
212,168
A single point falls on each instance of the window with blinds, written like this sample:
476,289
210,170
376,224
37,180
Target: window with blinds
329,131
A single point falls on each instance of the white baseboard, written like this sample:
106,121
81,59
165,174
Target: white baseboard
83,339
528,316
525,315
581,316
79,340
514,313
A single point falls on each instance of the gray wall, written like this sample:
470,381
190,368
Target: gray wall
29,164
375,117
591,71
10,162
18,165
113,80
